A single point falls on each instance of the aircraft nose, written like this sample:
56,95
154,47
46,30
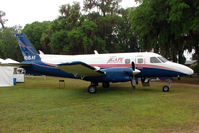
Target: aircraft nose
189,71
186,70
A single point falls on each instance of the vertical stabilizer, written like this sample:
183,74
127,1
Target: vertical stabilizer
27,49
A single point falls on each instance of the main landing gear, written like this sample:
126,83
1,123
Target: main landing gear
105,84
93,87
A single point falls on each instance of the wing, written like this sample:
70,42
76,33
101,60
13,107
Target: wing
15,64
80,69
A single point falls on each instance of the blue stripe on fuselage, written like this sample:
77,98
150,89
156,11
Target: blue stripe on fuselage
158,72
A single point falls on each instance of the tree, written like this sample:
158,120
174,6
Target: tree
163,25
70,15
103,6
38,34
112,23
2,20
9,47
61,28
125,37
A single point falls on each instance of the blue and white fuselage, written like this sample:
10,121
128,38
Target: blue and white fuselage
150,64
105,68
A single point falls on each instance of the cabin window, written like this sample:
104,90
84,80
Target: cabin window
127,61
154,60
140,60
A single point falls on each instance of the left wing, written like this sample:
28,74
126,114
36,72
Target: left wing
80,69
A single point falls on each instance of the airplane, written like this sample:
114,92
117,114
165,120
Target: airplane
100,68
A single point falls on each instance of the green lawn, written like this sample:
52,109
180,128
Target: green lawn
39,105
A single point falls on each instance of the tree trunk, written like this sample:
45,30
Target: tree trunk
2,24
180,57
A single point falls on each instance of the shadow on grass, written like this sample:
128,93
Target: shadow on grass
127,90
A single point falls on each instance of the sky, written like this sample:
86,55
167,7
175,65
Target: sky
22,12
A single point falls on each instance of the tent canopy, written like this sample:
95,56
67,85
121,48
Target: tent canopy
7,61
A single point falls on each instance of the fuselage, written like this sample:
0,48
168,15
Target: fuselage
100,68
150,64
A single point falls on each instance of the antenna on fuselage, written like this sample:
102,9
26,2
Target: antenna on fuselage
95,51
40,52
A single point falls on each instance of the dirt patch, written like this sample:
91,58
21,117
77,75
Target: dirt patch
175,83
187,84
182,129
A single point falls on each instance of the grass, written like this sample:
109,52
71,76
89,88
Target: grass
39,105
192,80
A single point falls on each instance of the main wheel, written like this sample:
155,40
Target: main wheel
105,85
92,89
165,88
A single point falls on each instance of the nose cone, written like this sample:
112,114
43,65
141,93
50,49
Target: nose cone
189,71
185,70
181,69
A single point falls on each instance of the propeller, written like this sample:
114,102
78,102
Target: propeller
135,71
133,66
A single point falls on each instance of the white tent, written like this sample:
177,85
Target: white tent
1,60
8,73
6,78
10,61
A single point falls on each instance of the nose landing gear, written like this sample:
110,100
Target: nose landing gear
166,88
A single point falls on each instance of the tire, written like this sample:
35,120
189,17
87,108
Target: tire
165,88
105,85
92,89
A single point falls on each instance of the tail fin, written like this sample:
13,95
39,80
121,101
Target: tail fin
27,49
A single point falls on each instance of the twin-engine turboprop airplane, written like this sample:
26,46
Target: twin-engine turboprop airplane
100,68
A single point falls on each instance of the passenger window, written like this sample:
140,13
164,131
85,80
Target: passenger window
127,61
154,60
140,60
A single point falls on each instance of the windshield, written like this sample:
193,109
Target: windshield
154,60
162,59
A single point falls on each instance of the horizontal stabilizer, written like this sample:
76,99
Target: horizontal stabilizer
80,69
15,64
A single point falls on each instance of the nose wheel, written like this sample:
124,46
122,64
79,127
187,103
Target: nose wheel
166,88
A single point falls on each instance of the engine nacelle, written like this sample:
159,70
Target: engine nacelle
119,74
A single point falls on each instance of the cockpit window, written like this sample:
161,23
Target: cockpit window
154,60
162,59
